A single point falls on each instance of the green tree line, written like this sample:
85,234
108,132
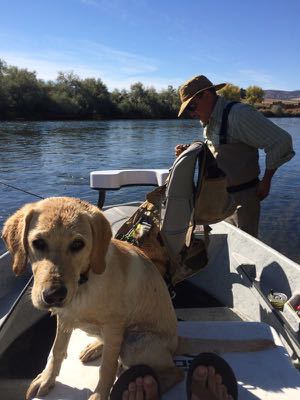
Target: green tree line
23,95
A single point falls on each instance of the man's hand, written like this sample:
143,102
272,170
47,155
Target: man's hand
264,186
263,189
180,149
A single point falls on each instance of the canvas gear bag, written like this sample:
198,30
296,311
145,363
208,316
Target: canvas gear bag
164,225
213,201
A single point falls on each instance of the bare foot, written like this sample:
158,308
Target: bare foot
207,385
142,389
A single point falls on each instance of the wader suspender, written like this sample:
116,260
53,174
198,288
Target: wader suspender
223,130
223,140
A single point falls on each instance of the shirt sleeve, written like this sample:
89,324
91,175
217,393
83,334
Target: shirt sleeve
254,129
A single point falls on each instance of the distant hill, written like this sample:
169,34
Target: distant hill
282,94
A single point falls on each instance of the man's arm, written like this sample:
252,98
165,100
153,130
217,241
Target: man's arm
254,129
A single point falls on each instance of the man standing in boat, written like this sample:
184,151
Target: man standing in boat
234,132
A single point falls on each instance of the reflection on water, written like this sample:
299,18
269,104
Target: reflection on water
55,159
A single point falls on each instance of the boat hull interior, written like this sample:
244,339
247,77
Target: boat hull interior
232,288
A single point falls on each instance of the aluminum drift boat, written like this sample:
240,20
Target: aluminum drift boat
227,299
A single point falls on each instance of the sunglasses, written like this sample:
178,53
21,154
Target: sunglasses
191,107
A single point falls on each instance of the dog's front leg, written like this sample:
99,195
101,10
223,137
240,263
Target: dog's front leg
41,385
112,340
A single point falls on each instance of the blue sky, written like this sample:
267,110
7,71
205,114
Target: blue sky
158,42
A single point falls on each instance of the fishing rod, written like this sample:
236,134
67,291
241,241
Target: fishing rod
20,190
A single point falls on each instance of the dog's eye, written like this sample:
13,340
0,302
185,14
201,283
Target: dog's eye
77,245
39,244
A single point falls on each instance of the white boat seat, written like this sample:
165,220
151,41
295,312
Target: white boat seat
267,374
115,179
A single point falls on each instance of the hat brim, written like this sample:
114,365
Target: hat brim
185,103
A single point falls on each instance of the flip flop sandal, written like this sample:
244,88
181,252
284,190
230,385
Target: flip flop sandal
130,375
221,367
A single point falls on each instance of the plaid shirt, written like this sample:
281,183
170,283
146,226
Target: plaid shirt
249,126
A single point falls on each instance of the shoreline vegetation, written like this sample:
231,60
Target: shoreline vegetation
24,97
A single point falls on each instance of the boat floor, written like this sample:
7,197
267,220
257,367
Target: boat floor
267,374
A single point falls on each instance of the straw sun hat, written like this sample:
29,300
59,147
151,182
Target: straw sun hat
193,87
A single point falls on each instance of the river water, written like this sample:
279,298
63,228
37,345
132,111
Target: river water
56,158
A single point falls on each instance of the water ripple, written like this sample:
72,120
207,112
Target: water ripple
55,158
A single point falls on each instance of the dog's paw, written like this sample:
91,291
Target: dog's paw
40,386
96,396
91,352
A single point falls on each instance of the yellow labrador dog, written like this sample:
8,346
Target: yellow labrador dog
105,287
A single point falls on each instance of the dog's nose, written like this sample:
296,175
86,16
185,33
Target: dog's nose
54,295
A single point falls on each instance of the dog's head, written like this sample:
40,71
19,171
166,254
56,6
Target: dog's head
63,238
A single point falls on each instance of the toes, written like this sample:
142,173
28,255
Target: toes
207,383
218,386
211,379
224,394
125,395
136,383
199,382
132,391
150,388
139,389
200,375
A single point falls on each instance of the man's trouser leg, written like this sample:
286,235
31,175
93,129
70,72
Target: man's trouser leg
246,216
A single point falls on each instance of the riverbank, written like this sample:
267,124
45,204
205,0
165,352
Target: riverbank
24,97
276,109
266,112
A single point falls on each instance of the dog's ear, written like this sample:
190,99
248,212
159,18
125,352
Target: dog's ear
15,233
101,238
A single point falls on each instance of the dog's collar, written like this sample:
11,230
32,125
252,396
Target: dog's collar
83,278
